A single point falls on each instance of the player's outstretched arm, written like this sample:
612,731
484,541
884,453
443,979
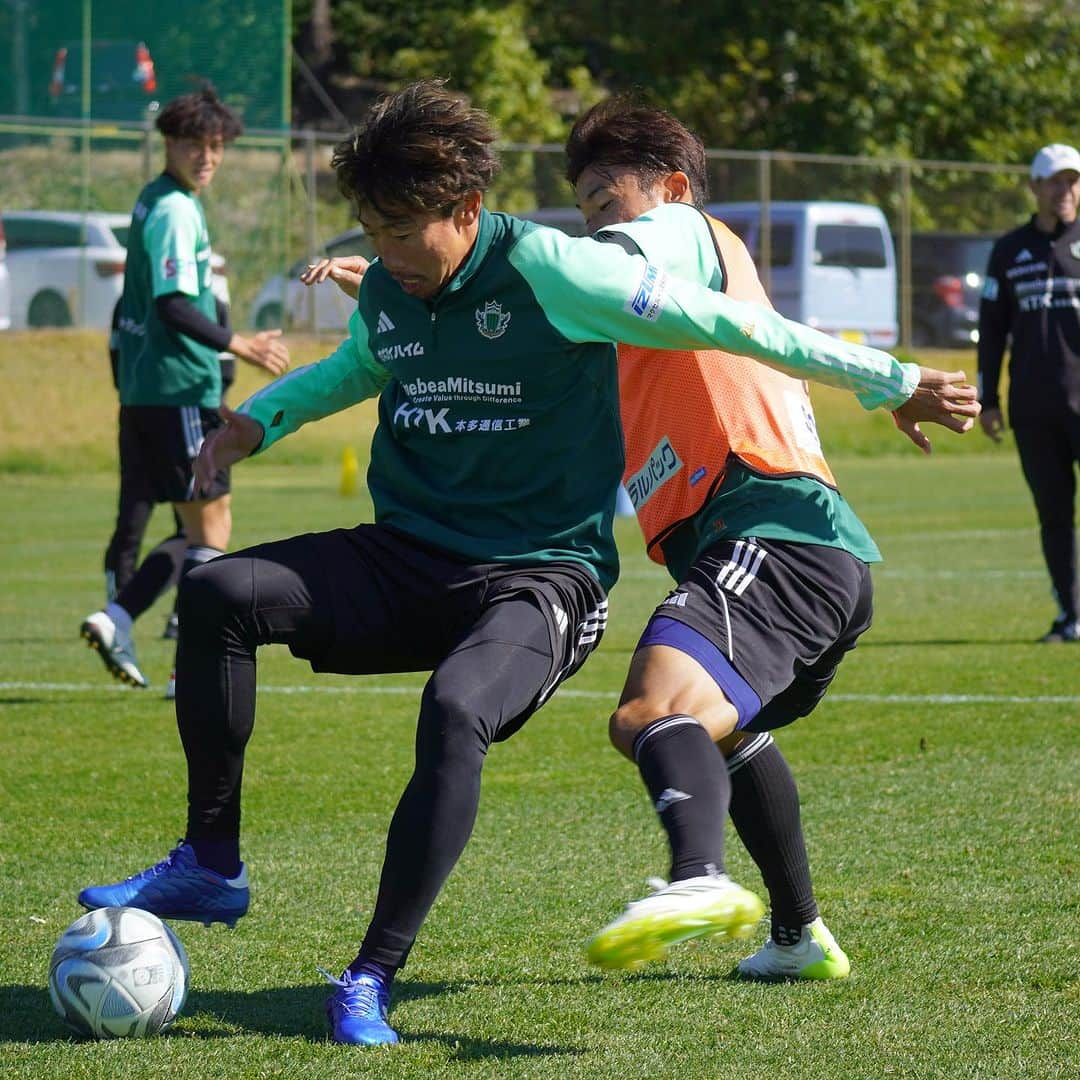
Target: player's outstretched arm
346,271
225,446
942,397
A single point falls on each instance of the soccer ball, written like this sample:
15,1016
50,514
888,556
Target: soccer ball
118,972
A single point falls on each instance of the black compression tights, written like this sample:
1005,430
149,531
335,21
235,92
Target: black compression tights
482,687
477,694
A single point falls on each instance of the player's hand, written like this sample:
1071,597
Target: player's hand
225,446
269,352
346,272
993,423
942,397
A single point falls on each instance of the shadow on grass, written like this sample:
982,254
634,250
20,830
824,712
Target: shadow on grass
463,1048
54,699
27,1016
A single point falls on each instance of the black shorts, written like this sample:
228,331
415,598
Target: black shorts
399,604
769,620
158,448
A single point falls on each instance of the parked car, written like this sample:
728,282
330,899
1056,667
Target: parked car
5,283
67,268
286,301
833,265
947,270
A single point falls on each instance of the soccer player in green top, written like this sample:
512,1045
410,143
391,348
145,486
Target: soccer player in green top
489,342
168,373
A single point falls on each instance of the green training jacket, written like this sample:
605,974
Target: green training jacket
498,436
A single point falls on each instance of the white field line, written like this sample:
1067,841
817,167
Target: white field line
568,692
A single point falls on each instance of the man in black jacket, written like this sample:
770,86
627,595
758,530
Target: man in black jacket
1032,293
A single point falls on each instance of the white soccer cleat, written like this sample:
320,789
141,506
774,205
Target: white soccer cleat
816,956
170,686
711,906
116,649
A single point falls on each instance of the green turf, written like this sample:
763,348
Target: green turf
939,791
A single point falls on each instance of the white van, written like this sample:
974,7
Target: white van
833,266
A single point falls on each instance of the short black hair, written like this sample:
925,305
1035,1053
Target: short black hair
422,148
624,130
199,115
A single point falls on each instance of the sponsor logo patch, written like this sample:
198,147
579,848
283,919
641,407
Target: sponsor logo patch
647,300
400,352
803,423
662,465
459,386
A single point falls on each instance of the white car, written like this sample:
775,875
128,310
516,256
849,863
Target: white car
67,268
286,301
5,284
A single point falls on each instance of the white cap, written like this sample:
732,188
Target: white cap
1053,159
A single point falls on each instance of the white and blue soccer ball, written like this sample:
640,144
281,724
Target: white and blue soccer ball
118,972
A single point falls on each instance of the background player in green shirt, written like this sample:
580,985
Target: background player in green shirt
168,339
489,342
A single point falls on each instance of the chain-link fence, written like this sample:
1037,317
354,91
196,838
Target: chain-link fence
274,203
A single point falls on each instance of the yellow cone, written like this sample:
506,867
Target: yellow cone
350,472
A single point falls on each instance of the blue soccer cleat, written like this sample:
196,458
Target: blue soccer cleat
177,888
357,1010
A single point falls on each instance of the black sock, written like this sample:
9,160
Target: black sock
381,972
687,779
157,572
220,855
765,812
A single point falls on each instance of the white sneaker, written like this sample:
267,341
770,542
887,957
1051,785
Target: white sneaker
816,956
712,906
170,686
116,649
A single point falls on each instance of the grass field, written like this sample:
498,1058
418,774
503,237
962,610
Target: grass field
939,784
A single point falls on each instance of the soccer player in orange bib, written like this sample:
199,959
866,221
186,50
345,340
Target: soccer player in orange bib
736,499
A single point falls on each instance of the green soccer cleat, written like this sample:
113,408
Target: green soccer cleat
816,956
711,906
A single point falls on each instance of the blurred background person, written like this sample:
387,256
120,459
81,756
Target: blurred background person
168,340
1032,296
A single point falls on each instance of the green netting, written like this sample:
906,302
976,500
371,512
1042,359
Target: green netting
109,59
